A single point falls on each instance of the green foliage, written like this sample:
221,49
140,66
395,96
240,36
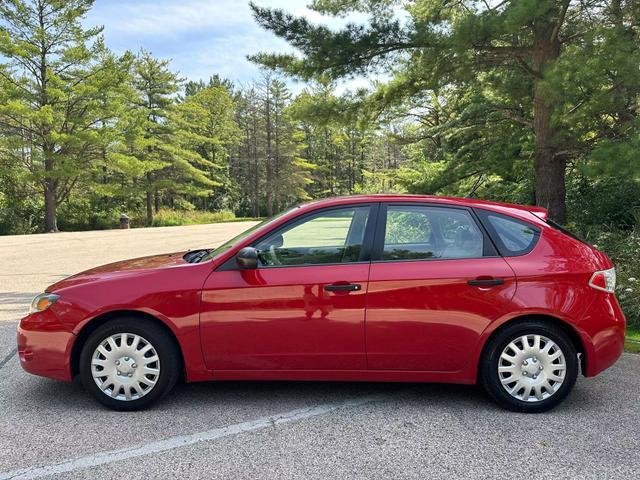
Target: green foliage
270,169
18,214
499,86
407,227
59,91
158,145
610,201
623,246
168,218
84,213
206,125
350,155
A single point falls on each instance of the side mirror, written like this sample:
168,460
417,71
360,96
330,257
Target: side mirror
247,258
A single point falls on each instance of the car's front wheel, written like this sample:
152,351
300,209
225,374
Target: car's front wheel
529,366
129,363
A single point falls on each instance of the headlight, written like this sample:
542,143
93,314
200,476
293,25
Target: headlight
42,302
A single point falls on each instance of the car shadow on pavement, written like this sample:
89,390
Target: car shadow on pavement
273,397
53,395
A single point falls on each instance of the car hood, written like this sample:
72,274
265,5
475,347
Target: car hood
124,267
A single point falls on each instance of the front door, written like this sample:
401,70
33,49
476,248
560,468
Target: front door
436,282
303,307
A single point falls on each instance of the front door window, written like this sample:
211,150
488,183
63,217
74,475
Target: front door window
329,237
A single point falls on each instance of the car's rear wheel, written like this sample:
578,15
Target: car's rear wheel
129,363
529,366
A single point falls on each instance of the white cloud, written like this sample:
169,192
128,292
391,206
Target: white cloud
176,17
202,37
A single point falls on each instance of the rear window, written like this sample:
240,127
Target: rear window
512,236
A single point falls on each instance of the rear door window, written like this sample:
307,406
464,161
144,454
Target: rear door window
423,232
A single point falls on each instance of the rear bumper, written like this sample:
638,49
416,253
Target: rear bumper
44,346
602,331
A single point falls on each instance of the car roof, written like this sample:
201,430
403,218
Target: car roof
526,212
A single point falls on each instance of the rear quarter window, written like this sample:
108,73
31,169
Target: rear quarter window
512,236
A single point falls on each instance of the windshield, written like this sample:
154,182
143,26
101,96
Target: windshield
238,238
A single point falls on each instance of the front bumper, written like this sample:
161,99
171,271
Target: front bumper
44,346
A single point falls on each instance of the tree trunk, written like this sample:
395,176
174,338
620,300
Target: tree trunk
255,175
269,159
149,208
50,206
50,200
549,168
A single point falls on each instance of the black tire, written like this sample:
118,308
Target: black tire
162,342
490,379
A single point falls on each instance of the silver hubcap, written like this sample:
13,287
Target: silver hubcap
532,368
125,366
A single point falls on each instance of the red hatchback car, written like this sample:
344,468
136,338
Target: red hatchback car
364,288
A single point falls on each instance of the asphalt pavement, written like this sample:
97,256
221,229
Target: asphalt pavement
262,430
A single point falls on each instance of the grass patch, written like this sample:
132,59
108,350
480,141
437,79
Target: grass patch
632,341
169,218
631,346
173,218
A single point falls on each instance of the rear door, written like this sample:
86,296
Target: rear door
435,284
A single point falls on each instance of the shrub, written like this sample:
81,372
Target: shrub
623,246
610,202
167,218
83,215
19,213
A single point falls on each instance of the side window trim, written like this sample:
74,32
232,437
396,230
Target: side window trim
365,254
489,248
483,215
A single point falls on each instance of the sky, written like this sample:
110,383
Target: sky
201,37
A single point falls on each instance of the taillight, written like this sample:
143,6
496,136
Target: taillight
604,280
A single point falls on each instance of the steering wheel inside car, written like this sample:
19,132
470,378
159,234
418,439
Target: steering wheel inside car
273,256
268,251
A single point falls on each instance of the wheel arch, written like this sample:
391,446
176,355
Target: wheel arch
104,318
566,327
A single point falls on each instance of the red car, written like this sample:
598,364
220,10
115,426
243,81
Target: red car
365,288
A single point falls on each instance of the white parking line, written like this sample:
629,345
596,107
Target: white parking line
183,440
4,361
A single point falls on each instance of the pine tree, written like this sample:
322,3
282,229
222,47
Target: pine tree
337,140
206,120
268,164
538,63
55,82
153,149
